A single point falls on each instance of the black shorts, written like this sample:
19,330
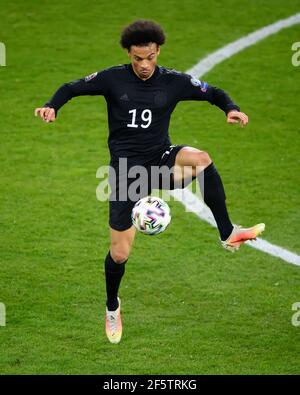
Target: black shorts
123,184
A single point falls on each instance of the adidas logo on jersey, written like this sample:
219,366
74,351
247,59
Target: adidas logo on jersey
124,97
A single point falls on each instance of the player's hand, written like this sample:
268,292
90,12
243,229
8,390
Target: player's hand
237,117
46,113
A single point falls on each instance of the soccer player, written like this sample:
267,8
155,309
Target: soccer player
141,97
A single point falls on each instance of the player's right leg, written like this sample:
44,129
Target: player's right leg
122,234
121,244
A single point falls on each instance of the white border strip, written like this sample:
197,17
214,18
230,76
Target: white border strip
186,197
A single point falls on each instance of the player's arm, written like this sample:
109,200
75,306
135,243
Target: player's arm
94,84
193,89
222,100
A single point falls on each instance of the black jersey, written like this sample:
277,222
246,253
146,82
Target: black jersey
139,111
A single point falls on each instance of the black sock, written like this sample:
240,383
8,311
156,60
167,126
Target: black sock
113,275
214,197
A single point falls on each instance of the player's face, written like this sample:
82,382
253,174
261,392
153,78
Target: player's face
144,59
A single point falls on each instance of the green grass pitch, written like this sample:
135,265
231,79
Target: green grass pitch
188,306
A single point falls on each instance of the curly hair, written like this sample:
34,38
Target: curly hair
142,32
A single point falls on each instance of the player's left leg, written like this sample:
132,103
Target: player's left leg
191,162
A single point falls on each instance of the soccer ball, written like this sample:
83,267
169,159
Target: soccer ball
151,215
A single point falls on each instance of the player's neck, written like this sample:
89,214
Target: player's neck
144,79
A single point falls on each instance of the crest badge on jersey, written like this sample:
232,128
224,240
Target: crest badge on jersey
204,86
90,77
195,81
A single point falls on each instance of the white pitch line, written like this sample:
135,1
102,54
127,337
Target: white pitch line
210,61
185,196
194,205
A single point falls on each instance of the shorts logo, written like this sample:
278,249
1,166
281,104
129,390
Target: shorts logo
90,77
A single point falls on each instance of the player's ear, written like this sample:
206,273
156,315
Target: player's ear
158,49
